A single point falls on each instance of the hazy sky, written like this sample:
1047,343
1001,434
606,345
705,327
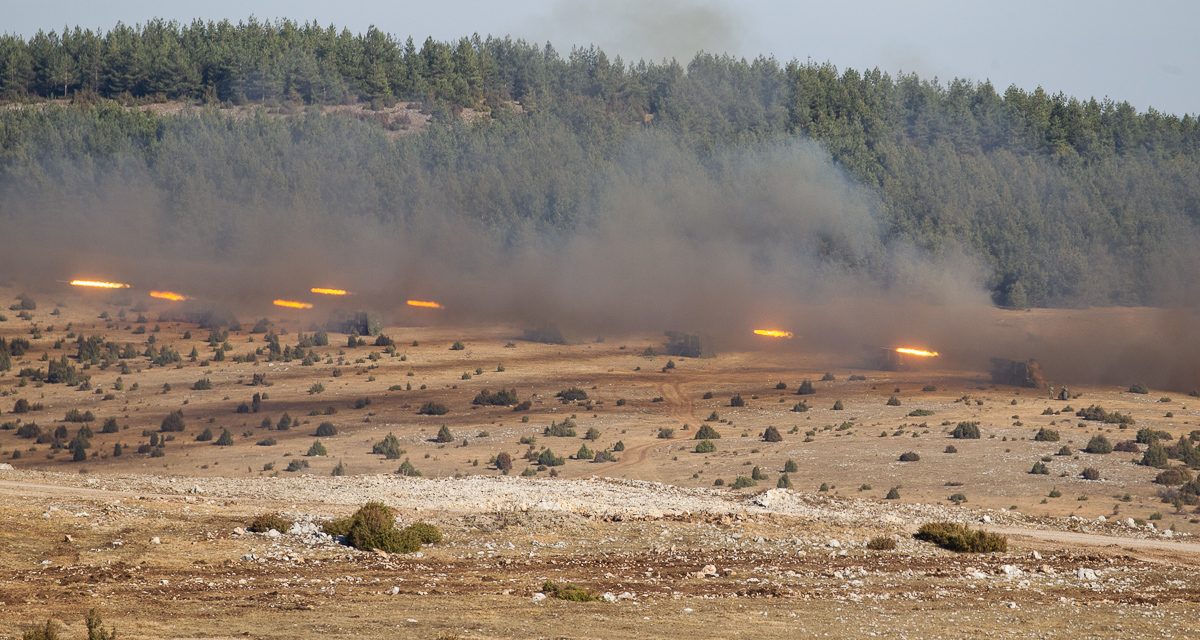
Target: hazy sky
1147,53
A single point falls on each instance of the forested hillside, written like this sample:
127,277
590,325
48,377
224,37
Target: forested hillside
1066,201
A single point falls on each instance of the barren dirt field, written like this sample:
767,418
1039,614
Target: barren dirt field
156,539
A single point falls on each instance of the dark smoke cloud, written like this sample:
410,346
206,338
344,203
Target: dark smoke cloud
764,235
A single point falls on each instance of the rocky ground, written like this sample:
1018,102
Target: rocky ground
663,560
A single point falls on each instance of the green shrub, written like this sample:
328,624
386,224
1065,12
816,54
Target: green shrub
501,398
705,446
1098,444
1090,473
571,395
205,435
374,527
1046,435
784,482
432,408
326,430
961,539
838,406
966,431
569,592
1155,456
742,482
425,532
919,413
444,435
893,401
547,458
706,432
564,429
317,449
263,523
771,434
892,494
805,388
737,401
1146,435
173,422
408,470
1096,412
666,433
1138,387
800,407
790,466
910,456
389,447
1040,469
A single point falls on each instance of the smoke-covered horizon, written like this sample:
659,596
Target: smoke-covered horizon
766,234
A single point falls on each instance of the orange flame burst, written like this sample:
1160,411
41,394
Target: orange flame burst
98,284
920,353
773,333
168,295
424,304
291,304
329,292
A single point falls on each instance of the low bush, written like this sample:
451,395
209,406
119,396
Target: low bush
705,446
571,395
1090,473
706,432
881,543
1098,444
568,592
1046,435
264,522
910,456
960,538
326,430
389,447
966,431
1172,477
771,434
432,408
501,398
373,527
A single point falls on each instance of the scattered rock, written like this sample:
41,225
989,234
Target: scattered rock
1086,574
538,597
155,540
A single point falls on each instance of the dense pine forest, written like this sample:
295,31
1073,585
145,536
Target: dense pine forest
1065,200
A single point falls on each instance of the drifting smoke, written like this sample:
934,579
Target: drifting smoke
643,30
765,234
